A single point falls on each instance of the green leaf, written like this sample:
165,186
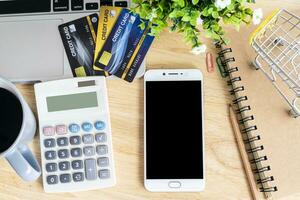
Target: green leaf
173,14
230,7
248,11
195,2
186,18
142,25
181,3
205,12
215,14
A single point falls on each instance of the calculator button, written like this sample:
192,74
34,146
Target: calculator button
65,178
100,137
78,177
48,130
101,149
90,169
49,143
75,140
61,129
99,125
50,155
77,164
76,152
51,167
53,179
86,126
104,174
103,162
89,151
88,139
62,141
74,128
63,166
63,153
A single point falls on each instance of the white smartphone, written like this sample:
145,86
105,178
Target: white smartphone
173,131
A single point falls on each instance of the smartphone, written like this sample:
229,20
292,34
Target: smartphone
173,131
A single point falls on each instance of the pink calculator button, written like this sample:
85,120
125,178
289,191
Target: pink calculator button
48,130
61,129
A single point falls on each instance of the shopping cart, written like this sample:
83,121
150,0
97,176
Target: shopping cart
277,43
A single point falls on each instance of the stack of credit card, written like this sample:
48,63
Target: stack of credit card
111,44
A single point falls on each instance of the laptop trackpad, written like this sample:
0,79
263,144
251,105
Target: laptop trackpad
31,49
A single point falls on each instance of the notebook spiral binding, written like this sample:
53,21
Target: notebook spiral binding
257,161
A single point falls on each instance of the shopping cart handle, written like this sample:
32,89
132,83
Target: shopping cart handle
262,25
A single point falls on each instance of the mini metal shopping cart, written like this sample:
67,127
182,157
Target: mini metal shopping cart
277,43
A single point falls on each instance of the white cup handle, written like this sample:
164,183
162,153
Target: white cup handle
24,163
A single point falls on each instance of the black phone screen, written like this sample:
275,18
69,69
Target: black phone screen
174,146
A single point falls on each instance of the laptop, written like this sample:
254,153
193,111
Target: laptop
31,49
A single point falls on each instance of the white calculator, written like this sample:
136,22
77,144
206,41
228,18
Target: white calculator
75,134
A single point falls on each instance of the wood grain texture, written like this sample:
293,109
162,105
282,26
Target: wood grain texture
224,171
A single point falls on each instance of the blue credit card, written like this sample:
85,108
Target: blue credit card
139,57
125,47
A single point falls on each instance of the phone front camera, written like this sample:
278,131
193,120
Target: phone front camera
164,74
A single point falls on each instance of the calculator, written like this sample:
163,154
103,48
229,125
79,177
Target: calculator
75,134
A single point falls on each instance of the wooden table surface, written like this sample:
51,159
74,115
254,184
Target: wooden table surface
225,176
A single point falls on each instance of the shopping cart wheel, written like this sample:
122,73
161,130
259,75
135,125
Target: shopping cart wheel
255,65
294,114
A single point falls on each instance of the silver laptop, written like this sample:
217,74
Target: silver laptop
30,45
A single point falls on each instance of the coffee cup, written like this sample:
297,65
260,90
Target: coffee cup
17,129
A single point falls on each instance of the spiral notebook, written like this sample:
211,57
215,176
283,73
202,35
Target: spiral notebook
271,135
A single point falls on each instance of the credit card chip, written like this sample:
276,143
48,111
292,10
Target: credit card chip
105,58
80,71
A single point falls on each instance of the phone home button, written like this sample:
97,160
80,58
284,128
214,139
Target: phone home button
174,184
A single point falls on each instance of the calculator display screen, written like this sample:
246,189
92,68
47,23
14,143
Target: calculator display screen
72,101
174,146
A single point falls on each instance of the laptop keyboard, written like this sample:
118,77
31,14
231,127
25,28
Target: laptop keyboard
54,6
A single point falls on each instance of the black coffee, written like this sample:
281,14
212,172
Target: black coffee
11,118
